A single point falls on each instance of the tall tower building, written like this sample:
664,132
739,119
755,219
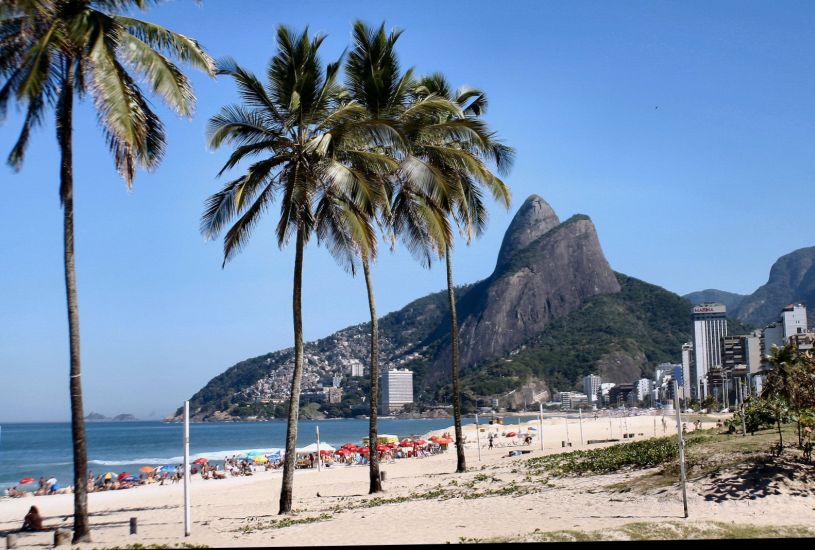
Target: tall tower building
709,325
591,385
397,389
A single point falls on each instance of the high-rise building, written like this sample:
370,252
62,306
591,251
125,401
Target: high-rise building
591,385
794,319
709,325
687,367
397,389
642,389
604,389
357,369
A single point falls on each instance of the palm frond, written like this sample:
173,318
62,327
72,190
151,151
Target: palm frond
184,48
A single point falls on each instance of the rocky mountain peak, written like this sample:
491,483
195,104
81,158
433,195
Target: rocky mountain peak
533,219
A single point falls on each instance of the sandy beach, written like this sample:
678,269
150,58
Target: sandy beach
424,502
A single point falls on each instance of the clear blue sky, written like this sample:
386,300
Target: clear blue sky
686,130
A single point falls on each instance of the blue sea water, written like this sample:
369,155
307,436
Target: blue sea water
44,449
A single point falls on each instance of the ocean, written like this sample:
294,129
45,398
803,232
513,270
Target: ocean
44,449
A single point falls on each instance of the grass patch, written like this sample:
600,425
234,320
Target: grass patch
623,456
281,523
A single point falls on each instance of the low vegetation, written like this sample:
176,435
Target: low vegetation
624,456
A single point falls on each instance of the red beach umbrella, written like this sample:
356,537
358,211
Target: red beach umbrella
200,461
406,443
343,452
26,480
364,450
349,446
325,452
443,441
382,448
124,475
511,434
420,442
147,469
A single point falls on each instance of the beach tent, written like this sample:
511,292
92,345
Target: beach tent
313,448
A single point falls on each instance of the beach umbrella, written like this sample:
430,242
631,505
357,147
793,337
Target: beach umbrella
147,469
26,480
200,461
254,453
325,453
420,442
406,443
392,445
382,448
165,468
443,441
260,459
343,452
130,478
110,475
349,446
124,475
364,450
511,434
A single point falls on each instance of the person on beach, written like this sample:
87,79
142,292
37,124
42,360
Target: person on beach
490,438
32,520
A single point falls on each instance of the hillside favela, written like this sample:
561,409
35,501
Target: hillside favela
303,274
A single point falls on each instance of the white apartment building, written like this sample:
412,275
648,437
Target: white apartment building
604,389
642,389
591,385
794,320
396,390
709,325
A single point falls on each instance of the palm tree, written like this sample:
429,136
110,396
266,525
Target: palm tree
442,178
373,80
310,136
51,50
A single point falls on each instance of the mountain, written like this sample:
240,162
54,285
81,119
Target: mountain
792,280
731,300
551,311
95,417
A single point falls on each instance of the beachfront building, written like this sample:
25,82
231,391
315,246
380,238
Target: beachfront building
642,389
709,325
396,390
619,394
591,386
603,392
572,399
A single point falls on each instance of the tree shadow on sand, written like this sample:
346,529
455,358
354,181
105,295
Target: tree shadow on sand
761,478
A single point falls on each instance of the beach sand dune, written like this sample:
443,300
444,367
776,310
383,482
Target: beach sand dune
424,502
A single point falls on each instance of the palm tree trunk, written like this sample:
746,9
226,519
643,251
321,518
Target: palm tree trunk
64,137
294,401
461,464
376,482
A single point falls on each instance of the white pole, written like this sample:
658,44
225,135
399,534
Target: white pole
610,431
566,419
681,452
540,422
580,414
187,514
477,437
319,458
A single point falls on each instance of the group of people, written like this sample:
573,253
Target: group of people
46,487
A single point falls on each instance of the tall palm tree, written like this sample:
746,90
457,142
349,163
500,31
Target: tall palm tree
442,179
309,136
373,80
51,50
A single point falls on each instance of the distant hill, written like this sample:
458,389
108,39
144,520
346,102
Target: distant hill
729,299
792,280
551,311
96,417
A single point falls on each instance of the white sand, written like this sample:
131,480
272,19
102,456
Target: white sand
223,509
